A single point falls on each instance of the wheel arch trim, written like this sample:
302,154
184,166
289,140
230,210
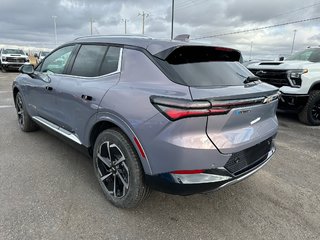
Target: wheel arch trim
315,86
127,129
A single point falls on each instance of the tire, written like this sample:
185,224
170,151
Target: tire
124,168
3,69
25,122
310,114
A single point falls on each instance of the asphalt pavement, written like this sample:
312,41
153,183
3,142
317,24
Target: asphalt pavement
48,191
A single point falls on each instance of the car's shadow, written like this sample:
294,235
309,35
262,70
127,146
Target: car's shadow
288,117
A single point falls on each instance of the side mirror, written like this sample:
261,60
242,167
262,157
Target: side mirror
26,69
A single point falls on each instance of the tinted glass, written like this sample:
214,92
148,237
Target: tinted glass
110,62
88,60
205,67
311,54
57,61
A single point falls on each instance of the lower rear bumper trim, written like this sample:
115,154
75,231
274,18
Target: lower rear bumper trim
187,184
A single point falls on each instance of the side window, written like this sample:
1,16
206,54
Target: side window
111,61
57,61
88,60
315,56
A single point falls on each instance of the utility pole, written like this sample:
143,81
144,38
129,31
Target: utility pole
250,50
172,18
91,25
294,37
125,24
55,29
144,15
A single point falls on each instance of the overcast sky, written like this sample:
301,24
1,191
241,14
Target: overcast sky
30,23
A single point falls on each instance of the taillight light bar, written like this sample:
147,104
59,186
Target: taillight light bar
174,108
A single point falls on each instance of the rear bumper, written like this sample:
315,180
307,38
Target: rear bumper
212,179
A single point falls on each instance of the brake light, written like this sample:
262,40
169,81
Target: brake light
224,49
188,171
175,113
181,113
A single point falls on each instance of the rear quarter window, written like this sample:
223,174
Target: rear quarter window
111,61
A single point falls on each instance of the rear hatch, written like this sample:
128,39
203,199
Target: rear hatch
243,115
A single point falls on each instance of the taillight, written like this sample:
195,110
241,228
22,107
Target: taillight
175,109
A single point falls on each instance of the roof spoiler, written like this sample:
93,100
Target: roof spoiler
182,37
200,52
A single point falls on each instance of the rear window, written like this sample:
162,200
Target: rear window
205,66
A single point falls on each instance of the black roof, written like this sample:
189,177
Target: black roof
153,45
158,47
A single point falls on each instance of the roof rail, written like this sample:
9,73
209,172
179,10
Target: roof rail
113,36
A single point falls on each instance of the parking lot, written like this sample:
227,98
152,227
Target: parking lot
48,191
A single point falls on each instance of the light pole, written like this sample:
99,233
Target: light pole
294,37
144,15
125,24
172,17
91,25
55,29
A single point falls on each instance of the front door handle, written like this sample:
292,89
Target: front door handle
86,97
48,88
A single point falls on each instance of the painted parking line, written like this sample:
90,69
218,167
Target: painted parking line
5,91
6,106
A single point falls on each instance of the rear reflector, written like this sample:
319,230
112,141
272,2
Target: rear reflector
139,147
188,172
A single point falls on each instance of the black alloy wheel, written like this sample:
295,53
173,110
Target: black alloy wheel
113,170
315,112
24,120
20,110
310,114
118,169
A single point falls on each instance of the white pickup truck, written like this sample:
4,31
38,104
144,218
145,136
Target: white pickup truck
12,59
298,78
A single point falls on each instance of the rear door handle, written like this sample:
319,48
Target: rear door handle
49,88
86,97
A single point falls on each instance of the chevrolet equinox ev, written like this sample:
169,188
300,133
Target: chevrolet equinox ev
177,117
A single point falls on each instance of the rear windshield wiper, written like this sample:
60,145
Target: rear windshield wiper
251,79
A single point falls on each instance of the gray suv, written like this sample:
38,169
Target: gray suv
177,117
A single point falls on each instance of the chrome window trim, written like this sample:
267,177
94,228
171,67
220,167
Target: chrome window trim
97,77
